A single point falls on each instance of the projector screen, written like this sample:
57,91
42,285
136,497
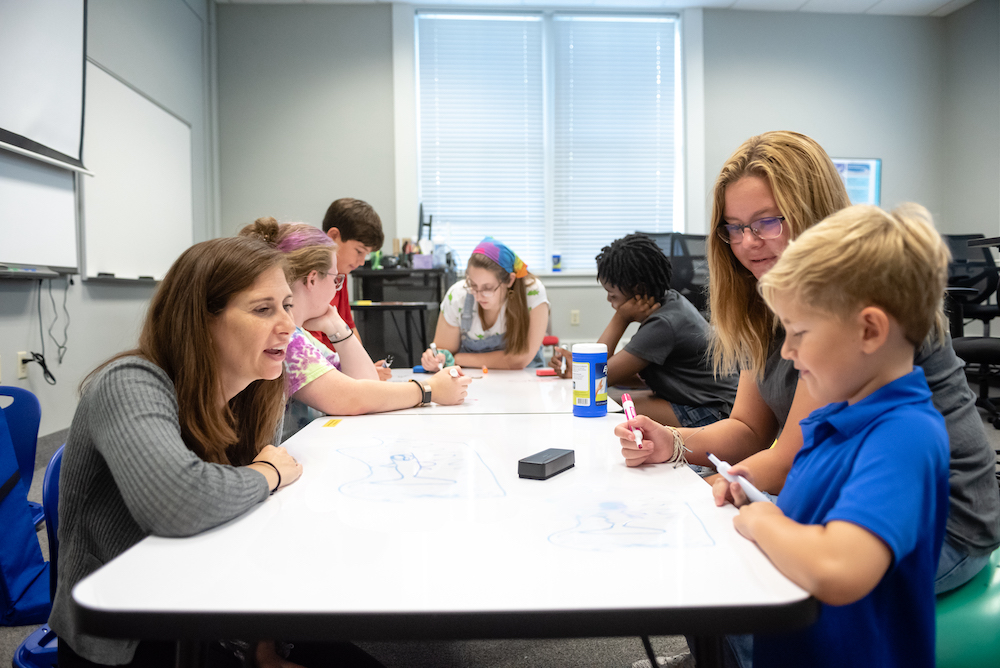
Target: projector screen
42,78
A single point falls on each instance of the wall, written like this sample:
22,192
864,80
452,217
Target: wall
862,86
970,165
305,111
159,47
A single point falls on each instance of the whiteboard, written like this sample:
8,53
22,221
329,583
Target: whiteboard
137,208
37,213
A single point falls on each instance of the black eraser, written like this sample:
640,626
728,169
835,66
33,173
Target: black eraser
545,464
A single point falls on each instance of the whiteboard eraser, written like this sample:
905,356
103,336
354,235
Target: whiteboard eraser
545,464
545,372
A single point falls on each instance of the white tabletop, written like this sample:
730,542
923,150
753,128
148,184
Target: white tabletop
419,527
502,391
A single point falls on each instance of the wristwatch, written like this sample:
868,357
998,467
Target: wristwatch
425,392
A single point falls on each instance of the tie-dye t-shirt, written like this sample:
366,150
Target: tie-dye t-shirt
306,359
454,302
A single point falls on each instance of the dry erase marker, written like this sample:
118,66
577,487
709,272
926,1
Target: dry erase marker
453,372
387,362
562,366
752,492
434,349
630,415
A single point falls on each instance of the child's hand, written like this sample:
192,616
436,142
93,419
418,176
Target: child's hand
558,355
752,514
657,441
731,492
430,361
637,309
384,372
330,323
449,390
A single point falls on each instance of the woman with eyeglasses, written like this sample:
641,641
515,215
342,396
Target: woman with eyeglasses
774,187
495,318
321,381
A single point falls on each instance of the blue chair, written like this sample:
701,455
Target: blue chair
23,417
40,649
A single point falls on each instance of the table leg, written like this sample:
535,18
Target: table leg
707,651
407,322
190,654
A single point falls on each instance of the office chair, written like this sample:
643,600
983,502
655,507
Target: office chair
40,649
972,268
689,262
23,417
981,355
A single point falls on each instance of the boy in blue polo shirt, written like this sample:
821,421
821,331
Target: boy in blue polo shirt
860,520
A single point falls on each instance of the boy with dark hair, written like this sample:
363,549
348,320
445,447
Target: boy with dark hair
669,352
357,230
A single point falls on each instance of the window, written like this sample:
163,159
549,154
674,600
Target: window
555,133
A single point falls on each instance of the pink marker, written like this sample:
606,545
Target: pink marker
630,414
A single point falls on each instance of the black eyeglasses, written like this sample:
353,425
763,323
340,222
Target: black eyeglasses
763,229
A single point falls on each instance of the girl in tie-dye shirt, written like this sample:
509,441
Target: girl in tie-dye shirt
319,380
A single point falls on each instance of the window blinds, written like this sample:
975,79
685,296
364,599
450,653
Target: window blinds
481,130
555,134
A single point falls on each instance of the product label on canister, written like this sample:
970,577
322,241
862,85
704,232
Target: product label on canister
601,383
581,384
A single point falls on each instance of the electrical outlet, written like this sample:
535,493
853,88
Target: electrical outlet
574,317
22,365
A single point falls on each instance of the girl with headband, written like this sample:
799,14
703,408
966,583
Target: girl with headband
495,318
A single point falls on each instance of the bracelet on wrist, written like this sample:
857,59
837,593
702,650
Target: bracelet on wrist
264,461
349,335
677,458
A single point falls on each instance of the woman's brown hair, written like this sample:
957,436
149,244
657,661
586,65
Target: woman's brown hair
177,338
518,314
807,189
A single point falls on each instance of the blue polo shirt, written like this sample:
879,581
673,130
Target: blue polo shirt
881,464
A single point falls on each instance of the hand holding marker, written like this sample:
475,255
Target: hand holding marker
722,467
630,415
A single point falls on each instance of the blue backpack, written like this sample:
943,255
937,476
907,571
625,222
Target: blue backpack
24,574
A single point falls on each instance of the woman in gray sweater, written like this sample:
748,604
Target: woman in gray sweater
176,436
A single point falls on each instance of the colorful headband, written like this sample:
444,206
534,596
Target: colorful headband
503,256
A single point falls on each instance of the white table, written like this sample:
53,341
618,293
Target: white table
503,391
417,527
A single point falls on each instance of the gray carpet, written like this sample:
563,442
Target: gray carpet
580,653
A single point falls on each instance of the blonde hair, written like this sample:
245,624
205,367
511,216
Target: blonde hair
306,248
518,314
864,256
806,188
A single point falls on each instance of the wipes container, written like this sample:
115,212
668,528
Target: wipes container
590,379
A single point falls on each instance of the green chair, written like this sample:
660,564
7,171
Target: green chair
968,621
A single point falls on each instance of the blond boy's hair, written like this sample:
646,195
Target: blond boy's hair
865,256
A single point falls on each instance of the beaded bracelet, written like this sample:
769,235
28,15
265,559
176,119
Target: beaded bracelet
264,461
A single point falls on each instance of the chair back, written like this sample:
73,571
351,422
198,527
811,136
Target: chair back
689,264
971,268
50,506
23,415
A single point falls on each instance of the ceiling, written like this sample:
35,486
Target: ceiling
890,7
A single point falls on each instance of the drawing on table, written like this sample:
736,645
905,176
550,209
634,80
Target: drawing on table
656,523
403,469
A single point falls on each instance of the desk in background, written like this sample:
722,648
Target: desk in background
377,330
413,319
418,528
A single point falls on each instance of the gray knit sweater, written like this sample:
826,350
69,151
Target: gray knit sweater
127,474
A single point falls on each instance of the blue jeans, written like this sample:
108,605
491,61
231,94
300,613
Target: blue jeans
956,568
